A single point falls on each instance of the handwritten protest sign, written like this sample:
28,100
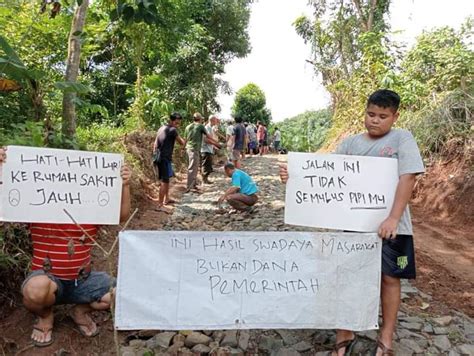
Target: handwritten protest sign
39,183
338,191
243,280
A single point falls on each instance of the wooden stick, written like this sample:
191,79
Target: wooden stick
85,232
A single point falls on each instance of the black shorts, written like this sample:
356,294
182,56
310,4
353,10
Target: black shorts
165,170
398,257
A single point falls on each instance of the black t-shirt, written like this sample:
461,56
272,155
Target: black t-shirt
165,139
239,133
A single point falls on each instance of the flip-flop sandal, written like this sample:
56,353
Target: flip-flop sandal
385,350
348,344
44,331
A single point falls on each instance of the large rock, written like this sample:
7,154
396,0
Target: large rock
412,326
230,338
412,345
302,346
269,343
443,321
244,338
201,349
288,336
466,349
286,352
442,343
196,338
160,340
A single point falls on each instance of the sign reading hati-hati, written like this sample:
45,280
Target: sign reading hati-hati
339,191
189,280
39,183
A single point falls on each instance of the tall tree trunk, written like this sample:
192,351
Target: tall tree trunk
72,69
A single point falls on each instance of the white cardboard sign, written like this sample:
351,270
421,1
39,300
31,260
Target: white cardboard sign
39,183
189,280
340,192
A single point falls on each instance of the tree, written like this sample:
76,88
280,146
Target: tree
336,31
250,104
72,69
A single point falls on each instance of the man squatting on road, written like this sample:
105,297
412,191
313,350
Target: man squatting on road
242,195
61,277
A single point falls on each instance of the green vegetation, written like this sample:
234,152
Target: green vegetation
250,104
136,61
305,132
354,54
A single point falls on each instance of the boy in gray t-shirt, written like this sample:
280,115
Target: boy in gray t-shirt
398,255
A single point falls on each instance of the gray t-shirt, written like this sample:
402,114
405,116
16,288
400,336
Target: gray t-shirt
397,143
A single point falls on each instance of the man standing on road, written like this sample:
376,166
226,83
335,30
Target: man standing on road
164,144
239,134
242,195
276,140
252,135
194,133
207,149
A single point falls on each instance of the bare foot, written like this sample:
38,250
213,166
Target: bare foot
42,334
84,322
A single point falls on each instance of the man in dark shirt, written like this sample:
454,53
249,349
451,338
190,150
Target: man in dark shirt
164,143
238,134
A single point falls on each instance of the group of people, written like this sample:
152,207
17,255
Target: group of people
201,142
69,279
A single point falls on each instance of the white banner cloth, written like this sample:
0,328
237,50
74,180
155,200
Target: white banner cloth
38,183
341,192
190,280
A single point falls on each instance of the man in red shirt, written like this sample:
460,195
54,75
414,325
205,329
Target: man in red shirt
61,272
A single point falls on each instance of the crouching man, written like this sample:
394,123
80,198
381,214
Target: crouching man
61,272
242,195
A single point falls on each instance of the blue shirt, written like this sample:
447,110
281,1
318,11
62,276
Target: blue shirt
244,182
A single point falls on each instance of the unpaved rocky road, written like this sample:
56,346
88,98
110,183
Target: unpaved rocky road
419,332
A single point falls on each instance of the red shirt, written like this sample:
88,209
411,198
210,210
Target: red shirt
62,248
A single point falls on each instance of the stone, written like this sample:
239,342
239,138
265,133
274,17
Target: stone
406,334
468,327
427,328
218,335
412,345
202,349
288,337
137,343
401,349
160,340
411,326
466,349
323,353
230,338
236,352
302,346
183,351
442,343
440,330
453,353
268,343
370,334
411,319
127,351
221,351
179,338
244,338
196,338
320,338
286,352
443,321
